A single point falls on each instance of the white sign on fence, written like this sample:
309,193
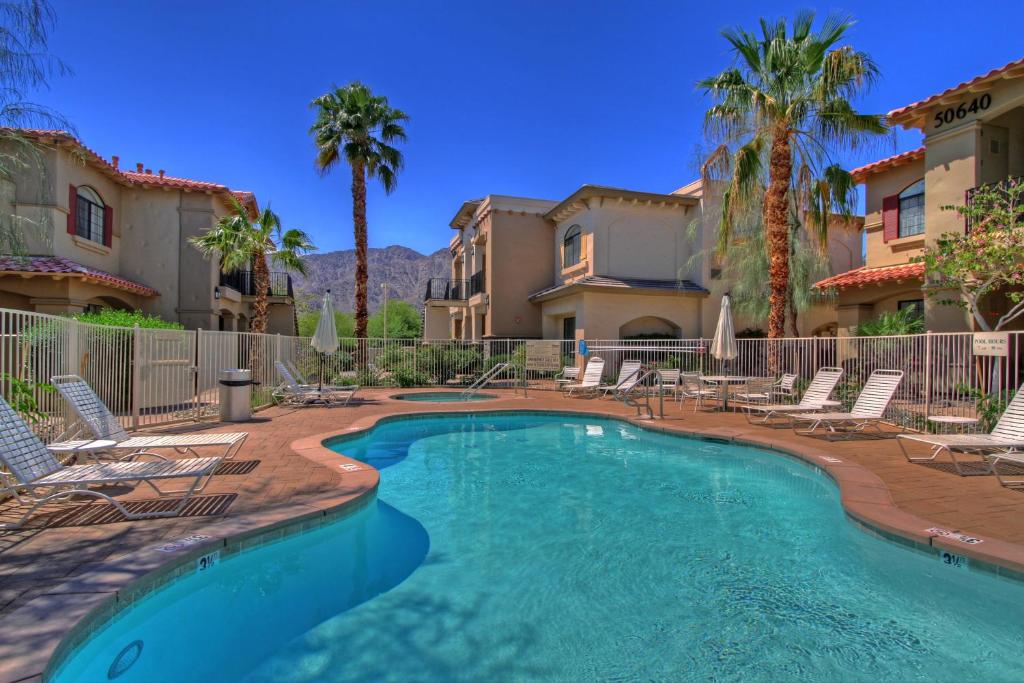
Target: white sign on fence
543,355
991,343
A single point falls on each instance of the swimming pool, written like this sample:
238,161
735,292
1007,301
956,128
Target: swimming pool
551,547
442,397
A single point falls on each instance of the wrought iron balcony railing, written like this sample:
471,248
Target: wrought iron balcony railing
1001,186
446,290
242,281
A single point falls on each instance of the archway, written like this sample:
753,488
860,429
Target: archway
649,325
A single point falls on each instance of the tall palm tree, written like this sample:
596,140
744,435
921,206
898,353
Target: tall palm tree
779,113
355,125
242,240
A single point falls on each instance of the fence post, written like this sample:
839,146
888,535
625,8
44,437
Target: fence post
927,373
136,378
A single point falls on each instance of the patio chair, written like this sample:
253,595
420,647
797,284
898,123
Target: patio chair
291,393
1003,443
588,386
101,424
669,381
691,385
867,411
32,467
567,375
757,390
818,391
629,373
785,388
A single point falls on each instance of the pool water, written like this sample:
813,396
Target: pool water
522,547
442,397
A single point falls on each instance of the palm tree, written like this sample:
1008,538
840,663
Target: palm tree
778,114
26,66
355,125
242,240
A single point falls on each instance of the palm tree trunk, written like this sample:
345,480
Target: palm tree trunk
776,221
261,283
359,226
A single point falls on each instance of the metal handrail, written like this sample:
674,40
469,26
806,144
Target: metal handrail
627,396
484,379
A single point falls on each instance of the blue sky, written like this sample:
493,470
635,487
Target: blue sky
523,98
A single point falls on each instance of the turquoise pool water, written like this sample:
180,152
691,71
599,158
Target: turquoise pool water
543,547
442,397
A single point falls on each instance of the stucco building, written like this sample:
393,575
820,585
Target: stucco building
100,236
602,263
973,136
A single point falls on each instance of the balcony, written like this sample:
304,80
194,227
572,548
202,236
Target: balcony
1001,186
443,289
477,283
242,281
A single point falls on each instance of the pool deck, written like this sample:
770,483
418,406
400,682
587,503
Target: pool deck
73,559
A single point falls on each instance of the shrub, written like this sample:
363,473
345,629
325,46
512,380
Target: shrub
109,317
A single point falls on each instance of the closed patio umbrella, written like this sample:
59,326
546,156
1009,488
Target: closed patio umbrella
723,347
325,339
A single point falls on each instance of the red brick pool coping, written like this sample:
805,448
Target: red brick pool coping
36,636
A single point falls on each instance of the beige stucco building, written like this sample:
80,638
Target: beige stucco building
603,263
99,236
973,136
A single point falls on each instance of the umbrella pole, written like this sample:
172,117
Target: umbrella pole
321,371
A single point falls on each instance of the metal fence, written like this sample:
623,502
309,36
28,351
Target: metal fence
154,376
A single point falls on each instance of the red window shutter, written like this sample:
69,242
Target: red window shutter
108,226
890,217
72,209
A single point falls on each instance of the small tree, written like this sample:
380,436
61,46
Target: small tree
987,259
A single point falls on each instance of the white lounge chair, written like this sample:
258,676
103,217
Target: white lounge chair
591,378
32,467
292,393
997,446
818,391
867,411
306,384
101,424
629,373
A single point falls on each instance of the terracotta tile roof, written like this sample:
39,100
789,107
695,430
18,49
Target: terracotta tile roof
603,282
58,264
859,277
861,173
134,178
903,114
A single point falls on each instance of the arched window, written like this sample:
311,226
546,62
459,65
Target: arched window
572,246
89,220
912,210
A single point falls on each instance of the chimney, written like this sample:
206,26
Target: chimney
114,161
161,173
138,167
149,171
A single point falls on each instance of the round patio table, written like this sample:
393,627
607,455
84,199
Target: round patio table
956,423
723,382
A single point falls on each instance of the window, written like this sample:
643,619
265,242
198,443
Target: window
572,246
89,219
912,210
917,305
